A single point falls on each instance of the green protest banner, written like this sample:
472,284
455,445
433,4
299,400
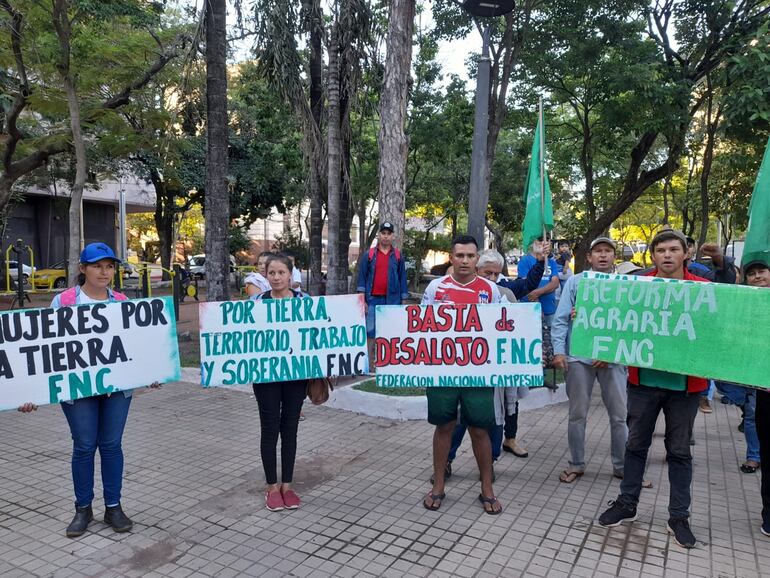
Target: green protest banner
703,329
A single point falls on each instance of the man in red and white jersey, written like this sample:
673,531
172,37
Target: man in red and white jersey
476,404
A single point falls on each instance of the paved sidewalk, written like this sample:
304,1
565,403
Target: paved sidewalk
193,487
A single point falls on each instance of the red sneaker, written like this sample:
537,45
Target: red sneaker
290,499
274,501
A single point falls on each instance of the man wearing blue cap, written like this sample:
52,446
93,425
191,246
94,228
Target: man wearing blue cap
381,278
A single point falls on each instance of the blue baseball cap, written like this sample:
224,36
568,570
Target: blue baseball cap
96,252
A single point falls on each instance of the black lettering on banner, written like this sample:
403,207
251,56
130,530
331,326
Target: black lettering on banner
29,351
143,313
5,366
13,332
64,321
33,316
96,313
83,318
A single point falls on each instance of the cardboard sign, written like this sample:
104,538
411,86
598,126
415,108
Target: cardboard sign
707,330
53,355
497,345
270,340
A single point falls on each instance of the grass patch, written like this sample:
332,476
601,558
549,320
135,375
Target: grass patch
370,385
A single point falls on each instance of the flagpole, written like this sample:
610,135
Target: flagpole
541,125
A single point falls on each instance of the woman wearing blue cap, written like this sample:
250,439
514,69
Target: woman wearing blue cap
98,421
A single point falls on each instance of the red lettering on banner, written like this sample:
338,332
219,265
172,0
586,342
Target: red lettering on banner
472,322
461,351
413,318
462,318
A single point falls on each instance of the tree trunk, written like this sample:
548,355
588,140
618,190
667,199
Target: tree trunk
63,28
164,222
503,60
217,205
313,148
712,122
688,222
346,196
393,142
334,283
587,163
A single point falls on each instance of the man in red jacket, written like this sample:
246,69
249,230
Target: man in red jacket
649,392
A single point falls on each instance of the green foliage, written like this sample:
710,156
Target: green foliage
265,157
292,245
238,239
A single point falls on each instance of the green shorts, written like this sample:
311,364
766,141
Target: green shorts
477,405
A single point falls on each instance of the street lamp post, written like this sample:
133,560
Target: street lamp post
478,198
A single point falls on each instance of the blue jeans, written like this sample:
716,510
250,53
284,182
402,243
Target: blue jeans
709,393
495,436
745,398
679,409
371,320
97,422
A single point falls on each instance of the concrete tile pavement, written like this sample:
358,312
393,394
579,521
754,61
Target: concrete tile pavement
193,485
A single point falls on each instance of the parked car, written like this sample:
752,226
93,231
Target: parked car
55,277
26,270
198,266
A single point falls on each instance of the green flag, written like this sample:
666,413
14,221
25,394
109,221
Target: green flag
537,192
757,245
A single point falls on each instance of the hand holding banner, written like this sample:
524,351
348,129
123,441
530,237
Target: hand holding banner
52,355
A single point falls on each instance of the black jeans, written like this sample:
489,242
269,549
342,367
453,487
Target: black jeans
679,409
512,423
762,416
279,406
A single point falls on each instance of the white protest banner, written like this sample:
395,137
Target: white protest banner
269,340
498,345
52,355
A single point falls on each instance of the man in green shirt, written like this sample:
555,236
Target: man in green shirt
650,392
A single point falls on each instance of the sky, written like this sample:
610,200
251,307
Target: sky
451,55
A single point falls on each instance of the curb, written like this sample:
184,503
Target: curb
416,407
400,408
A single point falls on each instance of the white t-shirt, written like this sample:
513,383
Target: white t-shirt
258,280
85,299
296,276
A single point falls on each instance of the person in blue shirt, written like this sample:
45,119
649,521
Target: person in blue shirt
382,280
722,269
546,290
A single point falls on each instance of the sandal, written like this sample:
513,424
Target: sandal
491,501
569,476
433,498
749,467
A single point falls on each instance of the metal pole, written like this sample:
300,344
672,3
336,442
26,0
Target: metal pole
176,284
122,209
478,198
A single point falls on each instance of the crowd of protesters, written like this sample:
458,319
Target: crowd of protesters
633,397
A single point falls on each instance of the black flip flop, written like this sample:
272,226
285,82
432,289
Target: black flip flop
484,500
433,497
